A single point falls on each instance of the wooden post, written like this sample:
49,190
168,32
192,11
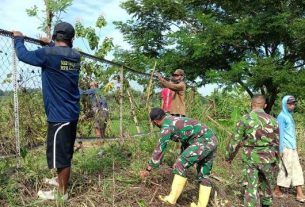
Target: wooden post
133,112
220,126
149,87
121,101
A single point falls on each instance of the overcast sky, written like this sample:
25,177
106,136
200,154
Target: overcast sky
14,17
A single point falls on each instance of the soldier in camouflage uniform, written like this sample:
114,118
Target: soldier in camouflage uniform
258,134
201,147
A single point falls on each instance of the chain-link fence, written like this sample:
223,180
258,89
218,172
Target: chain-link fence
22,117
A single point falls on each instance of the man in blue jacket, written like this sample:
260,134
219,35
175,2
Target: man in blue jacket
290,173
60,66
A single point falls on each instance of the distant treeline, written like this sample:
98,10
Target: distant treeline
11,92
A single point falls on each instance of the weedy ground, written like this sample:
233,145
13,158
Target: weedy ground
111,178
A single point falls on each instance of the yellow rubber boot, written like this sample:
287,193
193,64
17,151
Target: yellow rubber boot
204,195
177,187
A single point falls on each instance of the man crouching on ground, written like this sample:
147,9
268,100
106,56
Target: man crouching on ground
201,147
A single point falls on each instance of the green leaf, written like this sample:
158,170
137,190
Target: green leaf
100,22
23,152
32,11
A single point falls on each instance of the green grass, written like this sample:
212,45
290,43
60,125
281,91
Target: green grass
113,178
90,172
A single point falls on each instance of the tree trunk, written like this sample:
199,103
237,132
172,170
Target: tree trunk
49,19
271,95
270,101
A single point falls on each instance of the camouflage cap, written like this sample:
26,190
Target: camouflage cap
179,72
156,114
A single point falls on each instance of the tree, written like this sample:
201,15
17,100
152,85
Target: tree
95,70
258,45
52,13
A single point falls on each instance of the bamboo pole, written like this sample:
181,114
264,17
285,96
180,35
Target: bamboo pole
133,112
148,93
134,103
219,125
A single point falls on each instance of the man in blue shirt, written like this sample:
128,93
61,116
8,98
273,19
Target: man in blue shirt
290,173
60,66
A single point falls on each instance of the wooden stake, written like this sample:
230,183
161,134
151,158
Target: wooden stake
133,112
148,93
219,125
152,198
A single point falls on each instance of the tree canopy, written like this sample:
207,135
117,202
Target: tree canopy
258,45
52,13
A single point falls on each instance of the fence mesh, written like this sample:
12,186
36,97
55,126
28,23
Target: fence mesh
131,120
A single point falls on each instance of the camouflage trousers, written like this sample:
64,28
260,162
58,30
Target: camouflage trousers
260,180
201,153
101,118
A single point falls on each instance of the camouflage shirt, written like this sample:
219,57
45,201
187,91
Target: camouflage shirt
258,134
179,129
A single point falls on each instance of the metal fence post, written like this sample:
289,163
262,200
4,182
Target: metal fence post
16,107
121,101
